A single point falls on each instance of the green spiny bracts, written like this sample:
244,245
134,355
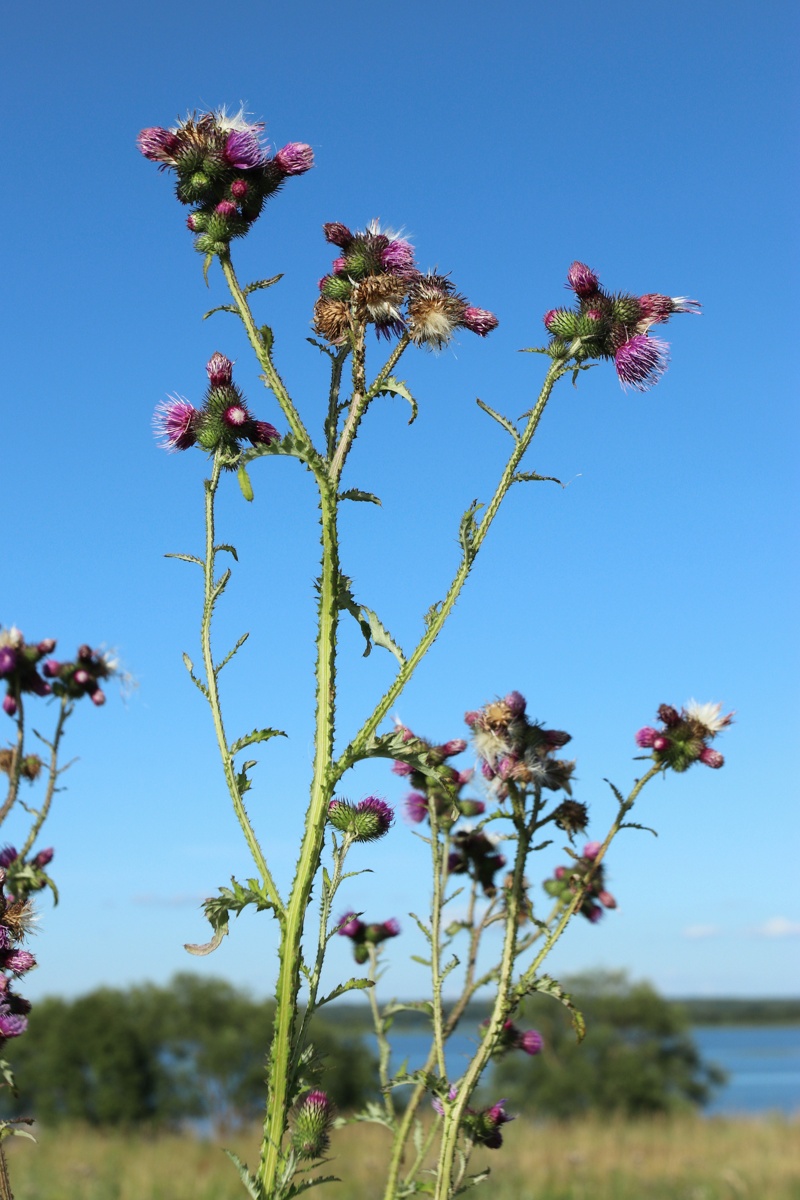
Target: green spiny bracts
337,287
625,309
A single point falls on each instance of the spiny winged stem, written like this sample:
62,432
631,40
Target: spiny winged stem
284,1053
212,590
329,889
362,739
53,772
439,852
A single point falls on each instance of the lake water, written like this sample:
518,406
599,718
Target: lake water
762,1063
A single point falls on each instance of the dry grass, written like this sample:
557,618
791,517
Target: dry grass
590,1160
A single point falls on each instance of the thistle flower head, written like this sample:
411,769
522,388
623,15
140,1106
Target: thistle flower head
366,821
582,279
710,716
312,1121
657,309
11,1024
685,735
479,320
435,310
175,423
641,361
295,158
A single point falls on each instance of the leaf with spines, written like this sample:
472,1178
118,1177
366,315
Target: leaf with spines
250,739
298,1188
243,783
531,476
501,420
468,529
396,387
218,909
187,662
187,558
369,622
252,1185
321,346
635,825
230,308
617,793
261,283
340,989
267,339
432,613
355,494
244,482
548,986
231,653
226,546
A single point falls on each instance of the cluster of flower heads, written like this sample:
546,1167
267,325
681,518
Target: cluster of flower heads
23,877
15,920
370,819
21,662
530,1041
515,750
224,171
221,424
375,281
684,736
586,874
606,325
482,1126
363,936
440,791
311,1125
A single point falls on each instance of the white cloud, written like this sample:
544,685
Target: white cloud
696,932
777,927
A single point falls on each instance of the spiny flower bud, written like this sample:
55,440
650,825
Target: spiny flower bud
43,857
295,158
572,816
312,1121
657,309
711,757
11,1024
175,423
337,234
366,821
219,370
16,961
582,279
479,320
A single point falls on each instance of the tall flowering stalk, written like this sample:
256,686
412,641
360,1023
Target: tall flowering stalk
225,174
29,673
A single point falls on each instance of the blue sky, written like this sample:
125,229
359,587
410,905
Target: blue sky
652,143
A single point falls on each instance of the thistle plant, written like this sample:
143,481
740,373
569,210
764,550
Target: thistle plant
480,846
29,674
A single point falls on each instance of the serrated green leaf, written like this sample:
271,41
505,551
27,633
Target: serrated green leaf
467,529
252,1186
186,558
433,612
250,739
244,483
261,283
634,825
187,662
352,984
380,635
297,1188
9,1130
423,928
501,420
220,585
207,261
203,948
321,346
548,986
267,337
424,962
473,1180
231,308
531,476
396,387
355,494
226,546
231,653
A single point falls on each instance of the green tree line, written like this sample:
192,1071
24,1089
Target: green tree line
195,1050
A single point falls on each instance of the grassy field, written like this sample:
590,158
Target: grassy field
591,1160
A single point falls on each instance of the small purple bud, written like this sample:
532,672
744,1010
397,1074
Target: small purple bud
486,771
646,737
582,279
264,434
295,158
401,768
43,857
9,705
594,912
606,899
591,850
219,370
8,855
226,209
240,188
479,321
12,1025
454,746
711,758
516,703
51,668
471,717
337,234
391,927
350,926
531,1041
82,677
8,659
46,646
98,698
17,961
416,807
661,743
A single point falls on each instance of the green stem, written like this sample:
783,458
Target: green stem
262,353
332,420
212,690
362,396
52,776
360,742
439,855
284,1046
384,1049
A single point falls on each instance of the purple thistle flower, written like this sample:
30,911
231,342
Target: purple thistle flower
711,758
243,148
263,434
337,234
582,279
159,145
350,925
51,668
398,257
657,309
295,158
240,188
479,321
416,807
641,361
226,209
401,768
531,1041
219,370
235,416
174,423
594,912
6,940
98,697
43,857
591,850
11,1024
9,705
8,855
391,928
646,736
17,961
8,659
382,814
516,703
